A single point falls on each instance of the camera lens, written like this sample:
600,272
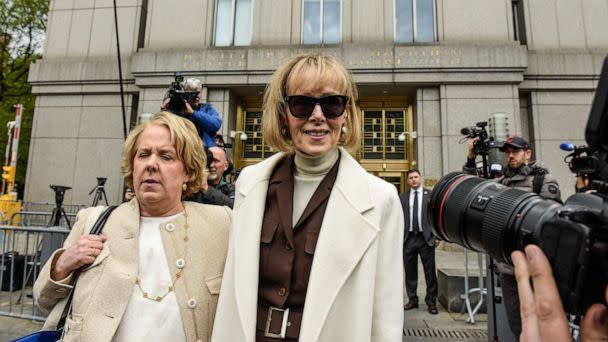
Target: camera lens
466,130
486,216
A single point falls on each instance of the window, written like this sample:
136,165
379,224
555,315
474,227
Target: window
233,22
321,21
519,27
414,21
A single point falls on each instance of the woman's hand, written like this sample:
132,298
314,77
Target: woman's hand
81,253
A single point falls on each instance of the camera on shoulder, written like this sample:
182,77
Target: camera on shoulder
178,96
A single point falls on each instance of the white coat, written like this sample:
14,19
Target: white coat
355,290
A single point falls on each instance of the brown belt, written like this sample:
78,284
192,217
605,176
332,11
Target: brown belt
279,322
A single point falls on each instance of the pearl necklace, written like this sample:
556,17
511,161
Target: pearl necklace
178,274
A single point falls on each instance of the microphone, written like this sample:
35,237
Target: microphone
567,146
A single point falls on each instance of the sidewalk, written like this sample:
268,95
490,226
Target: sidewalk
419,325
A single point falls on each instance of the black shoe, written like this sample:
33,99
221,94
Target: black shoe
410,305
432,309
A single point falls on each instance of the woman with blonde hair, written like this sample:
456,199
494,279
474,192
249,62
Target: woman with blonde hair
315,249
155,272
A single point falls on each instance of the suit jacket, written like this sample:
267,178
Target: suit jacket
355,289
427,231
105,287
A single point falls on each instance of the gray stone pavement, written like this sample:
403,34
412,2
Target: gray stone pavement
419,325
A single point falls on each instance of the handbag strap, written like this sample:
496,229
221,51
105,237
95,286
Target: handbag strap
95,230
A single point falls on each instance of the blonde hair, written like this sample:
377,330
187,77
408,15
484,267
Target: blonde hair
326,70
185,139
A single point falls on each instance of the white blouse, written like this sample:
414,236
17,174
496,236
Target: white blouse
145,319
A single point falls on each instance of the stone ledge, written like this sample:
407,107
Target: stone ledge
451,288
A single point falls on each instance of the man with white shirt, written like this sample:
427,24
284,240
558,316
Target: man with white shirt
418,240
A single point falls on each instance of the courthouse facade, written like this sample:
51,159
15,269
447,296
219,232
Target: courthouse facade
425,69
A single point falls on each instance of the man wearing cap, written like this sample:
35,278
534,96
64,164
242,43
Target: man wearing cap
523,174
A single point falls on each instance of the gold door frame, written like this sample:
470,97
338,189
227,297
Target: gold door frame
389,169
386,168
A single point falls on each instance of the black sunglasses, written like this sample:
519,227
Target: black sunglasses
301,107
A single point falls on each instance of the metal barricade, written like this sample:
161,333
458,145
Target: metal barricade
48,207
38,219
23,251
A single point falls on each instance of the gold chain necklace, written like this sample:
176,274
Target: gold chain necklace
178,274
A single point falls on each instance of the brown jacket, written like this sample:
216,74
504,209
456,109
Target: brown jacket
287,250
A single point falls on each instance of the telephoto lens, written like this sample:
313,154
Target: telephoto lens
486,216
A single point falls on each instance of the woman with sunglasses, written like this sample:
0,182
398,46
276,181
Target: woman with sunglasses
316,245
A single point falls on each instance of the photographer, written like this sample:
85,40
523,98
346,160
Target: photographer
204,116
519,173
543,316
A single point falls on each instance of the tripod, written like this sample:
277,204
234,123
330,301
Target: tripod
99,191
49,242
58,211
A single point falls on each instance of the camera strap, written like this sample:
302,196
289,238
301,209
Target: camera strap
539,178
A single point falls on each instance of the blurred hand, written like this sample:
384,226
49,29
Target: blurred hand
470,144
165,103
542,314
594,326
189,109
83,252
437,242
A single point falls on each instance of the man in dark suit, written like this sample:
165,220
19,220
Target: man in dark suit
419,240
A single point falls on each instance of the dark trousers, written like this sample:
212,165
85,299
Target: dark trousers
416,245
511,299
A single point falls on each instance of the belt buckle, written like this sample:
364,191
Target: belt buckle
267,332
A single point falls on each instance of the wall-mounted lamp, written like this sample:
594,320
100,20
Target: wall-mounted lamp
144,117
402,137
242,135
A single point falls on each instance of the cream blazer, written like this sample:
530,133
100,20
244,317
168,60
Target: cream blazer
105,287
355,291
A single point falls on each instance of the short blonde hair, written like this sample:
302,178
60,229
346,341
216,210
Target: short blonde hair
327,71
185,139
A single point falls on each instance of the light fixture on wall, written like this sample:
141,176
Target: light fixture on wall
242,135
144,117
412,134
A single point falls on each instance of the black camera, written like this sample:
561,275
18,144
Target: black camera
178,96
59,193
582,160
485,142
489,217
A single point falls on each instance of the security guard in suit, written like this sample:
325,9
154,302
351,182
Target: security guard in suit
418,240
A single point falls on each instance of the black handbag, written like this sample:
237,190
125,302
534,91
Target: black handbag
57,334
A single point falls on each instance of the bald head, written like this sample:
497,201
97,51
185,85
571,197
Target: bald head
219,165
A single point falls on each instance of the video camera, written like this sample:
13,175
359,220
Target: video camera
177,95
583,160
59,193
485,142
489,217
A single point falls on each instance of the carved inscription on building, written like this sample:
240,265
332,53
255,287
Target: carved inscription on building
355,57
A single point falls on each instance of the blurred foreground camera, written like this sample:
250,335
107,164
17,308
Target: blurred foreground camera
489,217
178,96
